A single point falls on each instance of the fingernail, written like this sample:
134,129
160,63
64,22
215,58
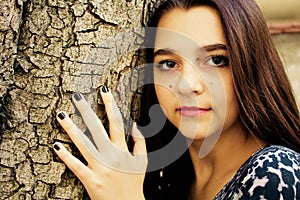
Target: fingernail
105,89
61,115
77,96
56,147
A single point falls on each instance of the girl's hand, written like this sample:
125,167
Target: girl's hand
112,171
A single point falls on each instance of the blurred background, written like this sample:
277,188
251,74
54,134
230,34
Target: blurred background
283,18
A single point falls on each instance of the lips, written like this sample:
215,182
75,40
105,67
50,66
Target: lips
191,111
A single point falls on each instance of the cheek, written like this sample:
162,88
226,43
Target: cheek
231,106
163,87
164,94
167,99
228,87
232,109
231,101
224,98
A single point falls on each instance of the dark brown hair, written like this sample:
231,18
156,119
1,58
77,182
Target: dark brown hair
267,107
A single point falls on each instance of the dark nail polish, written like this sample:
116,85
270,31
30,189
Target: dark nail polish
105,89
56,147
77,96
61,115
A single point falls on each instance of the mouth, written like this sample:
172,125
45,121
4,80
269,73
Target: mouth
192,111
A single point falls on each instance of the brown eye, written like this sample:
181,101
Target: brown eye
218,61
166,65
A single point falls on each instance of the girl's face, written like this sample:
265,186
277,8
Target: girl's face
192,73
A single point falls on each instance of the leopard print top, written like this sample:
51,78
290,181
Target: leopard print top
272,173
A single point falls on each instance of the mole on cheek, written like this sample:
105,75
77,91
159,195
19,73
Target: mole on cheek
170,86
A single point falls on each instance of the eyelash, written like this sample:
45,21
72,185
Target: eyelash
224,60
160,65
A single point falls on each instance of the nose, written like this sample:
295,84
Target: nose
190,81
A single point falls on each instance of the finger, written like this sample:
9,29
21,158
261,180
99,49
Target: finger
139,150
139,141
81,141
75,165
92,121
116,125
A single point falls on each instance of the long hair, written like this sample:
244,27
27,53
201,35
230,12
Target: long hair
267,107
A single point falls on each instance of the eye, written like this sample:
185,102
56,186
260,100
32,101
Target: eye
166,65
218,61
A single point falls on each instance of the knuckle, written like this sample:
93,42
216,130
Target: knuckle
97,184
74,166
118,121
76,169
68,125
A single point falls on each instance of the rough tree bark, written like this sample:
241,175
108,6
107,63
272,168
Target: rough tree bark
49,50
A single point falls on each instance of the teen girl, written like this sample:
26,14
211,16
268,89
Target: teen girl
220,82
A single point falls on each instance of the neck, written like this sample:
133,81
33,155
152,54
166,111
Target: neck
216,168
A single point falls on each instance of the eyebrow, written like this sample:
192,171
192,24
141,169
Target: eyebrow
208,48
214,47
164,52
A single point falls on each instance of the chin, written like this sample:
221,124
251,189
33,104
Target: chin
201,133
193,134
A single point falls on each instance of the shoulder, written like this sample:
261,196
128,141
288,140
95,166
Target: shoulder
272,173
274,156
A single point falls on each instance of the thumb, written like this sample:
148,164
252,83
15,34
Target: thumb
139,141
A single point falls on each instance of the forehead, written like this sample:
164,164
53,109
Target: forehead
198,26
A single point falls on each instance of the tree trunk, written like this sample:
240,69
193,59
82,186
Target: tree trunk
49,50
